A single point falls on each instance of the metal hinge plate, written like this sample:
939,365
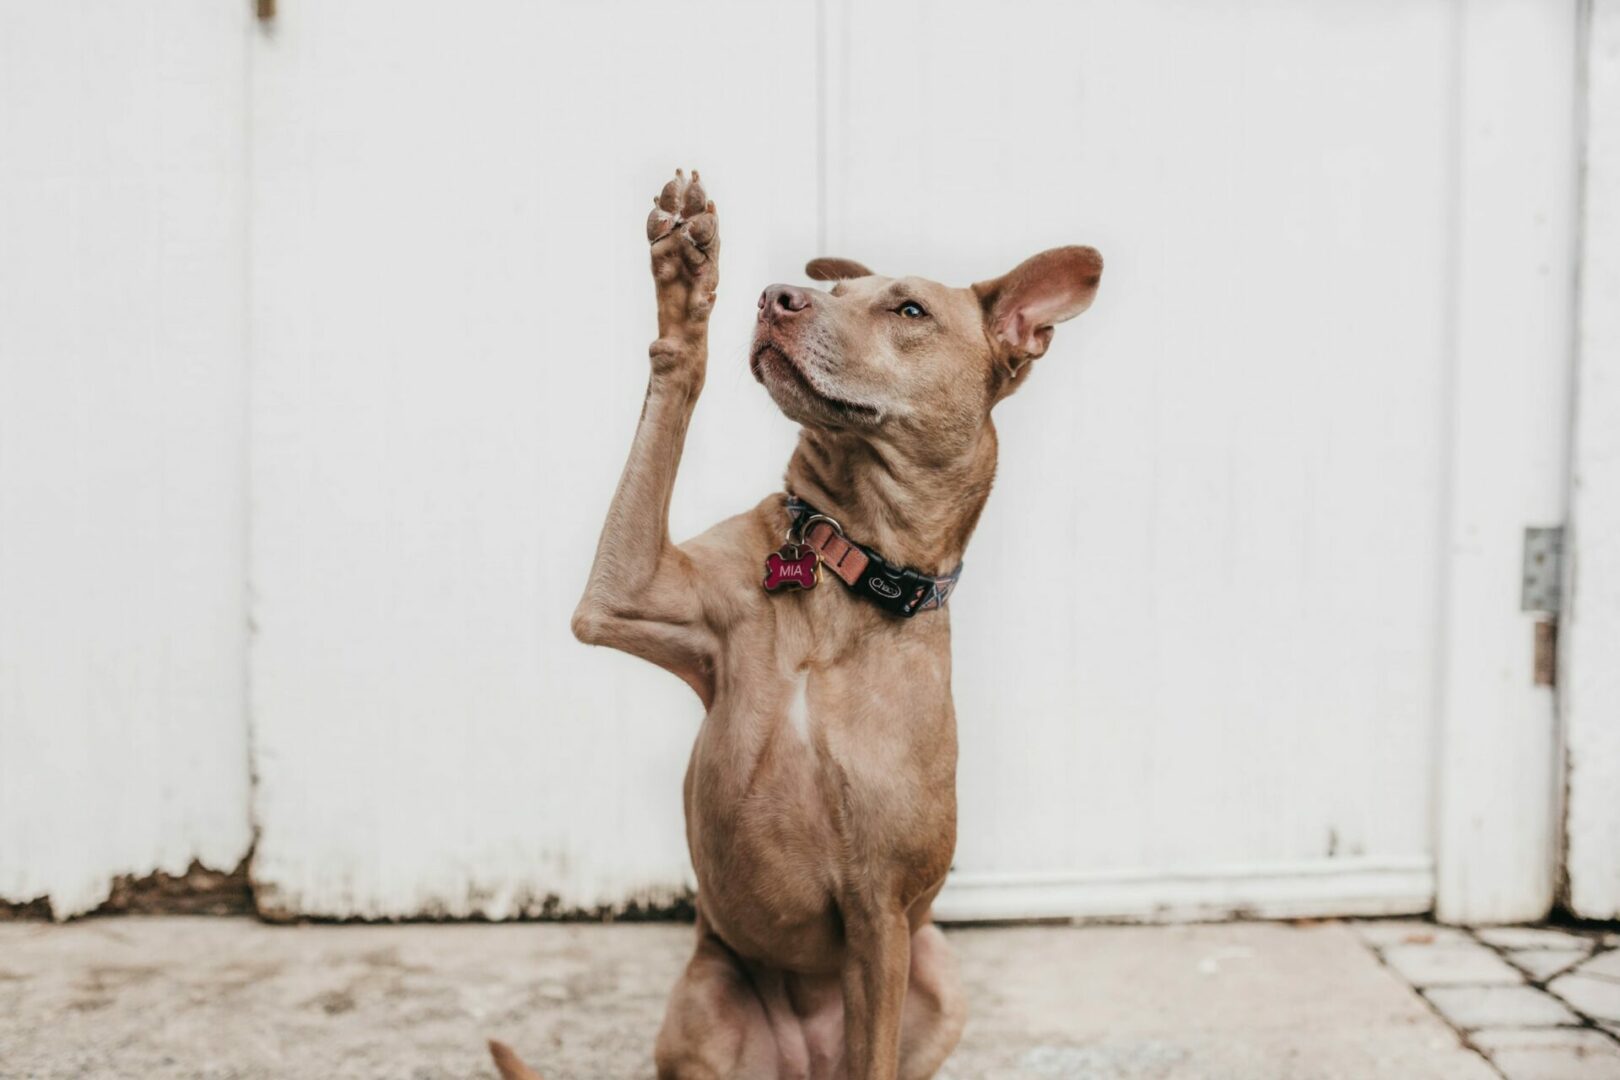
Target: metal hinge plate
1542,587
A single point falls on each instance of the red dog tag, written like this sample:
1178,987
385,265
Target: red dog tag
791,566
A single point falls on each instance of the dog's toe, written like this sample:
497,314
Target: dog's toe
693,200
660,223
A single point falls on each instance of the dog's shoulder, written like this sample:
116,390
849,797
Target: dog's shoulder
729,556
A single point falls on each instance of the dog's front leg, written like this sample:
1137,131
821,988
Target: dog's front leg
643,594
877,967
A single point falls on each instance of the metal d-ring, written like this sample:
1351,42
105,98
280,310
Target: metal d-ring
804,526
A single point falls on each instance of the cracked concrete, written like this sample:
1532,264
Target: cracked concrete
233,999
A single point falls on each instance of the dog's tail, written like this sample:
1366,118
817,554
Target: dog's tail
508,1064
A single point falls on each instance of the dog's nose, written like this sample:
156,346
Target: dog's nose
782,301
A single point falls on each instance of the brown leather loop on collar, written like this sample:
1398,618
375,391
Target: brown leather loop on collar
838,554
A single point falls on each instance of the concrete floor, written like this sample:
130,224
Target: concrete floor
233,998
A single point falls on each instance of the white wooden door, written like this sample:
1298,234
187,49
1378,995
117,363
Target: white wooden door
1271,662
1282,467
1591,677
123,444
451,310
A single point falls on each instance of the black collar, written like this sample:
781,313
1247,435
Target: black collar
899,590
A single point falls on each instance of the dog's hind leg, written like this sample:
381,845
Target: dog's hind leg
936,1008
716,1026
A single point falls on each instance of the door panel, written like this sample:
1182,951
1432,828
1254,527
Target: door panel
1197,631
452,308
1590,678
123,431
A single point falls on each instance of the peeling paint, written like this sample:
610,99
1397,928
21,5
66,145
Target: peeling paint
649,905
201,890
198,891
37,908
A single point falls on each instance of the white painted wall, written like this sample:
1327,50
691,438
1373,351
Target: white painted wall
1591,671
1248,452
123,737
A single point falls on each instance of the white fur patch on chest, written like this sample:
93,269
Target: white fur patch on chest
799,706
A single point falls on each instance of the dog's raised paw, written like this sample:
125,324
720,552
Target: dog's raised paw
682,202
684,232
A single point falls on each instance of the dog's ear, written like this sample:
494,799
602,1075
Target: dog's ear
1021,307
835,269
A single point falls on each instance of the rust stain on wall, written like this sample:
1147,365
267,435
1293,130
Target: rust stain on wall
203,891
676,904
198,891
37,908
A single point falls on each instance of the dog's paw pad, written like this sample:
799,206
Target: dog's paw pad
684,231
683,206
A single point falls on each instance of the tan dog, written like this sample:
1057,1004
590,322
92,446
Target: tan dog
820,797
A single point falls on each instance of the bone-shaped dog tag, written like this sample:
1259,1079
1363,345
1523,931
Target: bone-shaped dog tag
792,566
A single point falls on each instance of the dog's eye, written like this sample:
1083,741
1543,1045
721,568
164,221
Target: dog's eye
910,310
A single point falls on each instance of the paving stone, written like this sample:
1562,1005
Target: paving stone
1531,937
1551,1053
1494,1040
1465,963
1594,1064
1605,965
1382,933
1597,998
1471,1007
1543,964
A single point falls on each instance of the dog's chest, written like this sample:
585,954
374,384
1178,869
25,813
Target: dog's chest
814,758
792,804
